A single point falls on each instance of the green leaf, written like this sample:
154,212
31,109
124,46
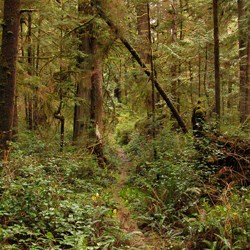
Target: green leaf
50,235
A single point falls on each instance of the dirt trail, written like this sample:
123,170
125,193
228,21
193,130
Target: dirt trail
138,240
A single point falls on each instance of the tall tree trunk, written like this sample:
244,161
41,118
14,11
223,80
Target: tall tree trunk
60,117
81,111
205,73
152,68
199,75
88,115
143,27
15,120
243,63
216,60
29,96
181,36
248,69
38,116
174,67
118,90
191,79
96,105
8,72
229,89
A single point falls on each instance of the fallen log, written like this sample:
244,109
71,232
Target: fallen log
233,165
147,71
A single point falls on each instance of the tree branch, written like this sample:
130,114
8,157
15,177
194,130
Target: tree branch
136,56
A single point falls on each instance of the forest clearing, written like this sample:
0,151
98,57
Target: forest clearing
125,124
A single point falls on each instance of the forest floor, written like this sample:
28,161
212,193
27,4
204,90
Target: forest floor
138,239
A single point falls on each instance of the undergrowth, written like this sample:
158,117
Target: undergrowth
51,200
180,198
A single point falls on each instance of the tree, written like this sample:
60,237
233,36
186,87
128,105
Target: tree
88,115
8,72
136,56
216,59
248,70
243,28
143,28
81,112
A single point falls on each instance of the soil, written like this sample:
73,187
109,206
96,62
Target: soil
139,239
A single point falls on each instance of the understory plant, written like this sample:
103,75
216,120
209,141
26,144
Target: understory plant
177,195
56,201
165,173
224,225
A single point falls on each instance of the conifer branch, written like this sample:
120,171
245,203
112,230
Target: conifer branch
136,56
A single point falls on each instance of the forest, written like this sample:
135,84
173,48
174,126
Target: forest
125,124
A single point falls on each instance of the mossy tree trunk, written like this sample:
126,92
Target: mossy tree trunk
88,115
8,72
83,86
96,105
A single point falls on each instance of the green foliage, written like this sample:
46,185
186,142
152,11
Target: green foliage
223,226
56,201
171,190
169,182
125,127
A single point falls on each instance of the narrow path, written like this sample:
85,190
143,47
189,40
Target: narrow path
138,240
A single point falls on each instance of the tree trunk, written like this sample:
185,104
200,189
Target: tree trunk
191,79
216,60
118,90
8,72
37,115
29,96
248,71
205,73
243,64
61,118
175,67
96,106
81,110
143,27
88,116
229,89
199,75
180,63
15,121
153,75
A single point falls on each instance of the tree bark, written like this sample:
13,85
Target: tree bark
96,106
153,74
89,114
199,75
83,86
143,28
205,73
136,56
60,117
8,72
191,79
15,120
243,63
175,67
248,70
216,60
29,96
